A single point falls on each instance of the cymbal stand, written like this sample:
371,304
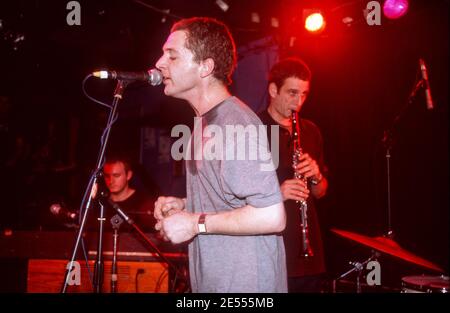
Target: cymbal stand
357,267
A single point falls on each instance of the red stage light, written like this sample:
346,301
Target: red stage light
314,22
394,9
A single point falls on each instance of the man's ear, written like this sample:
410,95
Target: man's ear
129,175
273,90
206,67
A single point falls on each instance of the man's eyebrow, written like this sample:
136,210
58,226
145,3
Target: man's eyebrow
170,50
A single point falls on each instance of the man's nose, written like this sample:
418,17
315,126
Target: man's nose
160,63
299,102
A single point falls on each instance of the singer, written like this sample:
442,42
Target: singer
233,209
289,83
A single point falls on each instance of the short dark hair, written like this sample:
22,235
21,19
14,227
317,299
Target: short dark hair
290,67
210,38
119,158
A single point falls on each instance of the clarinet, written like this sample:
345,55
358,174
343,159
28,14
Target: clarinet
305,250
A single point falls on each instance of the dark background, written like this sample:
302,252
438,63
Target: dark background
362,77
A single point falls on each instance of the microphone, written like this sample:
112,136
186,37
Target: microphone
120,212
153,76
59,210
426,85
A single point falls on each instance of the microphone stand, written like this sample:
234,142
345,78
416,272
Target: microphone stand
388,142
99,264
116,221
91,190
130,221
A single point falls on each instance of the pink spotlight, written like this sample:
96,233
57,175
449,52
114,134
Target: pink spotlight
394,9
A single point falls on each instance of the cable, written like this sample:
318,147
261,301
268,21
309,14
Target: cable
163,275
163,12
136,280
89,97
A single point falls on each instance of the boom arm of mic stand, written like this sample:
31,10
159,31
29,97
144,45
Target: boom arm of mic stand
130,221
399,116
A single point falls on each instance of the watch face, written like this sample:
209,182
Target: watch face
201,223
201,228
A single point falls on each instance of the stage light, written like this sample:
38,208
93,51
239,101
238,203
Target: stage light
222,5
314,22
394,9
255,17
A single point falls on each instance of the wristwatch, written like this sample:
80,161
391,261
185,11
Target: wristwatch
201,224
316,181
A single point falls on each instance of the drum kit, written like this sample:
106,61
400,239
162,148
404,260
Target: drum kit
410,284
385,244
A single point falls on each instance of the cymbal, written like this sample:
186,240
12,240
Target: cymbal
388,246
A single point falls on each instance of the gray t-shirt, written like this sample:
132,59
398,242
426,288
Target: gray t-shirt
224,263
